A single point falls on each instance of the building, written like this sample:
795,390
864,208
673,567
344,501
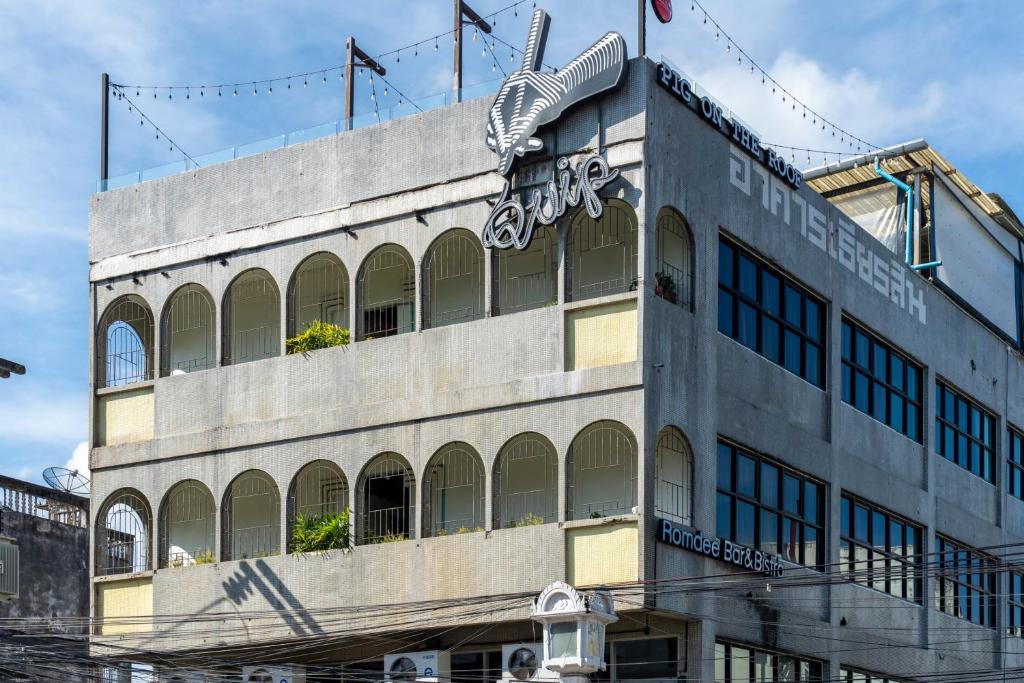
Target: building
784,447
45,583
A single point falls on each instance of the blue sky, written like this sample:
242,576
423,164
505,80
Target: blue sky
889,72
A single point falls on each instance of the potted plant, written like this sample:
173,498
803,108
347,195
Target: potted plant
320,533
665,287
318,335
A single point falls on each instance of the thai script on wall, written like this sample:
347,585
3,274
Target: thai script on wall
834,234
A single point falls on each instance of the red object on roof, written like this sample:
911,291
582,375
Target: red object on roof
662,10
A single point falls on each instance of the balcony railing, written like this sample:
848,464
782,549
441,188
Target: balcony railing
295,137
38,501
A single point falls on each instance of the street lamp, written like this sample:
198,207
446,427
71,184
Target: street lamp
574,626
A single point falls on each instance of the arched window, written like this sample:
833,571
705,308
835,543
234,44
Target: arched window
528,278
673,464
187,525
385,293
318,290
320,489
387,490
453,500
674,268
123,534
124,343
602,472
252,318
251,526
525,482
601,254
453,279
187,331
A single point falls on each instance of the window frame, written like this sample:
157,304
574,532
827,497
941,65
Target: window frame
944,580
913,576
728,675
1015,462
733,293
851,368
778,509
944,424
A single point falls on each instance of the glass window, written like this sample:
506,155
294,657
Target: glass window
852,676
1015,604
736,664
783,321
649,659
780,514
883,553
964,426
1014,466
880,381
965,583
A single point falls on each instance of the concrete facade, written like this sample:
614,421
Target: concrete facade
408,181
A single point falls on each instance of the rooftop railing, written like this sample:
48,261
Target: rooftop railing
295,137
39,501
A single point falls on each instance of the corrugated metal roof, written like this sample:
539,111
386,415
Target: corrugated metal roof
859,171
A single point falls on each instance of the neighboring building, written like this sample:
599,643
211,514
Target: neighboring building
722,350
45,621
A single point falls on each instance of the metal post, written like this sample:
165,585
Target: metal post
364,60
641,24
461,14
104,129
349,81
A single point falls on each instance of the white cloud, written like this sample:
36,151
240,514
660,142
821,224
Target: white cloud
79,460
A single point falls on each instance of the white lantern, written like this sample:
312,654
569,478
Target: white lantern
574,626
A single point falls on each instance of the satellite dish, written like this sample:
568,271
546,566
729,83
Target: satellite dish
63,479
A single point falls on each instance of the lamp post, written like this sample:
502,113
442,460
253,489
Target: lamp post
574,625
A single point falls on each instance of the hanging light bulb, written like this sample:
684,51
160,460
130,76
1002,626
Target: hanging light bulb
474,34
170,94
218,92
136,92
705,17
398,57
305,82
270,91
236,92
141,122
188,94
728,47
483,52
416,50
254,91
154,93
494,67
512,57
323,75
435,44
385,91
289,83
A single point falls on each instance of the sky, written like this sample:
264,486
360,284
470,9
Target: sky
887,71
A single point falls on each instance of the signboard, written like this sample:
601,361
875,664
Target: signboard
710,546
730,127
662,10
529,99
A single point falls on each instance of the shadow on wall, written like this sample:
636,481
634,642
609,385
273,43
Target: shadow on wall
246,582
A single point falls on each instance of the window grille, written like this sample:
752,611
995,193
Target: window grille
602,472
318,290
122,535
252,514
602,254
386,293
387,490
124,343
188,340
525,482
454,486
673,497
187,525
320,489
453,280
675,254
528,278
252,318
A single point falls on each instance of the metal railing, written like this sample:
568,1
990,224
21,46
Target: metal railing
38,501
298,136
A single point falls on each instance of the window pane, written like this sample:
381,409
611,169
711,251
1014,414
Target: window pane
769,485
650,658
861,350
813,323
847,380
878,407
746,332
790,494
913,382
725,305
912,424
745,468
723,516
896,371
811,502
770,298
880,368
770,333
745,516
792,352
794,304
860,523
724,467
726,263
813,364
748,277
769,532
847,341
844,517
896,412
861,391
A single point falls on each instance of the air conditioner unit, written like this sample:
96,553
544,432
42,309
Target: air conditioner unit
523,662
273,674
430,666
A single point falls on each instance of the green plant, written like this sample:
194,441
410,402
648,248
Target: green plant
319,533
529,519
318,335
389,538
205,557
596,515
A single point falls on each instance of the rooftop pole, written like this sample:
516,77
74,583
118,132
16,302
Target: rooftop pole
641,27
353,53
104,129
462,13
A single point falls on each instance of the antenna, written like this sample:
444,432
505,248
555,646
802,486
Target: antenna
68,481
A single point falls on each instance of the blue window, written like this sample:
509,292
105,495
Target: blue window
770,313
881,381
964,432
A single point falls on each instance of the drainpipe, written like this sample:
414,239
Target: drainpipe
909,257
